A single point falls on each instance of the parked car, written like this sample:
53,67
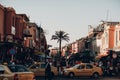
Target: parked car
39,69
15,72
83,69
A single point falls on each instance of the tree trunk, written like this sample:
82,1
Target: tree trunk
60,48
59,58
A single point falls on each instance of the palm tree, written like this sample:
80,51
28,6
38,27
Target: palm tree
59,36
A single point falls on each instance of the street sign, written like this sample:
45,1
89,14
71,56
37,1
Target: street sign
12,51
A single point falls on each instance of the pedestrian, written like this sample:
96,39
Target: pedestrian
48,71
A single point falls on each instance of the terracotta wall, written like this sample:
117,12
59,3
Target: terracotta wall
1,23
9,20
111,36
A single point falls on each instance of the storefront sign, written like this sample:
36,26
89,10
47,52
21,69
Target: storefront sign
13,30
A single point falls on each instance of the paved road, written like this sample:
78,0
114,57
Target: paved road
80,78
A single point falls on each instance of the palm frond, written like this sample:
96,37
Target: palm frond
54,37
60,35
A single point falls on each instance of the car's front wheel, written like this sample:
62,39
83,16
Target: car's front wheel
71,74
96,75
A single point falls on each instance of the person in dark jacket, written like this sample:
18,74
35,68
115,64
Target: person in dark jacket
48,71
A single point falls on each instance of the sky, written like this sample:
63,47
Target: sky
71,16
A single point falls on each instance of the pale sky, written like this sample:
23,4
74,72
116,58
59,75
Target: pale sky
71,16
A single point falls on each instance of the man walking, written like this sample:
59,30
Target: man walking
48,71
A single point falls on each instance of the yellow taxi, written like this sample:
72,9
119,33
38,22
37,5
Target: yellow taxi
83,69
39,69
15,72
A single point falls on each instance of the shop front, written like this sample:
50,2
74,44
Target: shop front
9,51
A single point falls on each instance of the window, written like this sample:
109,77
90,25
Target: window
106,40
88,66
119,35
18,68
116,37
42,65
35,66
31,43
13,21
81,67
2,70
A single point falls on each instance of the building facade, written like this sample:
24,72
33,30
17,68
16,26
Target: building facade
10,30
18,39
2,23
108,36
117,38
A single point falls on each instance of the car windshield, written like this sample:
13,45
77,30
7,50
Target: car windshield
76,66
1,68
18,68
43,65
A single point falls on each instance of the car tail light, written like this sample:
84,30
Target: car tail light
34,78
15,77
